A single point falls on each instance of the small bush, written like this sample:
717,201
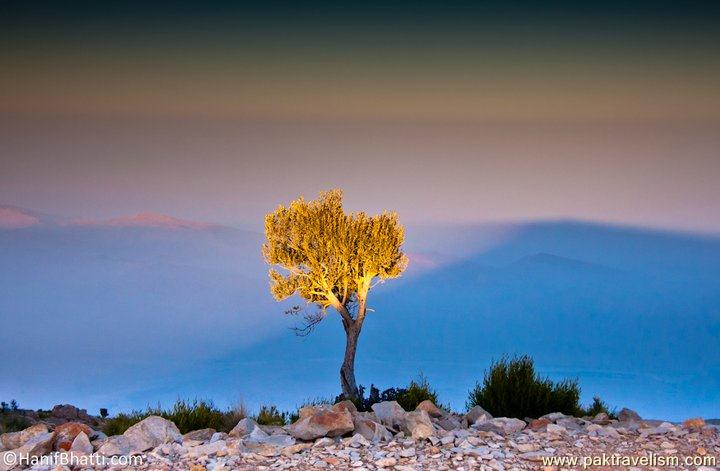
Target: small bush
416,392
597,406
11,418
234,415
187,415
409,397
120,423
270,415
512,389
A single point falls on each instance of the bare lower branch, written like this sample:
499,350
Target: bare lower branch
309,320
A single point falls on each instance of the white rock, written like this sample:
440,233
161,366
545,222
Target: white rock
81,444
390,414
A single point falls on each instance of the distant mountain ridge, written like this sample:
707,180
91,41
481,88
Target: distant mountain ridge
622,308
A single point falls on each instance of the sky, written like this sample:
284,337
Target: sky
451,113
475,111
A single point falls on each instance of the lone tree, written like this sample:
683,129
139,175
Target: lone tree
332,259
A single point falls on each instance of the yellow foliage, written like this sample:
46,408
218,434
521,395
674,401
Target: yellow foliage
330,257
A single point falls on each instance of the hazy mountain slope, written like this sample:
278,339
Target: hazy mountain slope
181,308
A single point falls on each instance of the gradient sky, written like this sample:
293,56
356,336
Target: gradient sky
465,112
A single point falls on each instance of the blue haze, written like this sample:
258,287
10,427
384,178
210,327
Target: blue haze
125,317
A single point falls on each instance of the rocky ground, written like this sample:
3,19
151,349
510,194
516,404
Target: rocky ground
339,437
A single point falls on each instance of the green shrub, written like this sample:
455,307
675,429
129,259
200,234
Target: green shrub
235,414
121,422
512,389
187,415
597,406
270,415
409,397
416,392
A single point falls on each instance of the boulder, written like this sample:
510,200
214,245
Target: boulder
65,434
601,418
501,425
70,413
257,435
371,430
244,427
281,441
202,435
81,444
153,431
476,413
390,414
207,449
447,422
11,441
539,424
556,429
554,416
345,406
38,445
428,406
571,423
322,422
115,445
628,415
694,423
418,425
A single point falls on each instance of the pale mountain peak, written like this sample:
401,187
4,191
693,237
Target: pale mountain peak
16,218
147,219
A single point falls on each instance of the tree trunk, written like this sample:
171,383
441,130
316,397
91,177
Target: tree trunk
347,371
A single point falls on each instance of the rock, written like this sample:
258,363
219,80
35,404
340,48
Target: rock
554,416
13,440
208,448
294,449
323,442
527,447
65,434
322,422
694,423
476,413
357,441
408,453
628,415
202,435
501,425
97,435
218,436
428,406
115,445
571,423
257,435
418,425
608,432
152,432
385,462
601,418
371,430
244,427
278,440
345,406
389,413
556,429
447,422
70,413
38,445
539,424
81,444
